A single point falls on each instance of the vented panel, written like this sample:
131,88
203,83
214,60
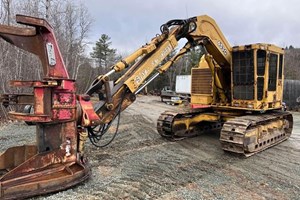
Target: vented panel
201,81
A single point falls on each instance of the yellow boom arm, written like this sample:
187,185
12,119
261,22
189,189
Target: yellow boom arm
201,30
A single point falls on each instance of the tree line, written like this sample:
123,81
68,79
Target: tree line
292,63
71,23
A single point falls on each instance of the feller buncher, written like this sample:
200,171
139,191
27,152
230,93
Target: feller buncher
236,89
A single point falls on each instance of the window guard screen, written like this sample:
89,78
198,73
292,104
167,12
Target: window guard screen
261,62
272,72
243,75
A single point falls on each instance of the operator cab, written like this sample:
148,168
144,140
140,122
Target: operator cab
257,77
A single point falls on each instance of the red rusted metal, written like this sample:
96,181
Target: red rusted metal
41,173
48,83
29,117
35,40
197,106
55,162
89,117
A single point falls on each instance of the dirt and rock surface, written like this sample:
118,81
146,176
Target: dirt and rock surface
140,164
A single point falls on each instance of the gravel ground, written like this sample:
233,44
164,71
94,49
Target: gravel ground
139,164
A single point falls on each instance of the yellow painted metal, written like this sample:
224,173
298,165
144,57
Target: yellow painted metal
218,87
83,135
175,58
206,31
130,59
192,121
262,130
217,45
218,55
201,99
147,67
202,84
212,80
214,85
146,49
271,99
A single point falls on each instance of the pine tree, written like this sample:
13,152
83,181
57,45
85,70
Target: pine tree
103,53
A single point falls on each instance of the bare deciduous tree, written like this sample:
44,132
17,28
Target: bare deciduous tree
71,23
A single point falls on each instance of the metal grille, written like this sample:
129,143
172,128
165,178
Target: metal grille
243,75
201,81
244,92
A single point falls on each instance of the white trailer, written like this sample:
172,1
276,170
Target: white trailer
183,84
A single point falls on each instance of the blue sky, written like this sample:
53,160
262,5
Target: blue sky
132,23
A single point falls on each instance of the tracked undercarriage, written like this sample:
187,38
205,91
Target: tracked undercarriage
187,124
245,135
254,133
